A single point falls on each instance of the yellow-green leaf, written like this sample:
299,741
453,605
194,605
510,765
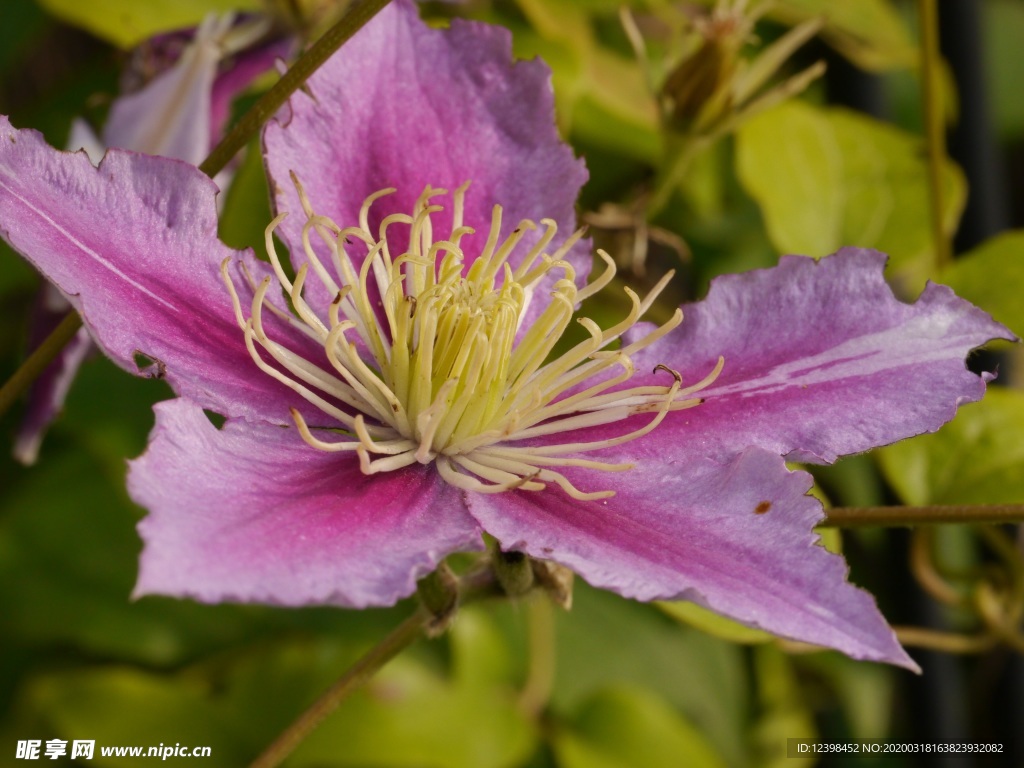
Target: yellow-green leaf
626,727
710,622
783,712
826,178
126,707
790,161
871,33
978,458
992,277
128,22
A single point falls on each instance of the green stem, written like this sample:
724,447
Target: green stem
296,75
895,517
400,638
41,357
945,642
683,154
221,155
478,584
935,128
540,677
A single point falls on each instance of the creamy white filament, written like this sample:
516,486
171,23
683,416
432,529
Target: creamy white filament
444,372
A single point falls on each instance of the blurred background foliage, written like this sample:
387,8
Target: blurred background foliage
748,156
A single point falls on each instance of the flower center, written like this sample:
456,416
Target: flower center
436,360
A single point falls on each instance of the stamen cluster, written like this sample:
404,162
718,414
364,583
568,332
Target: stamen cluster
426,358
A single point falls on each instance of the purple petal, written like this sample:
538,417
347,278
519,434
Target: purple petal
821,360
239,73
133,246
48,392
170,116
734,538
181,113
81,136
251,513
402,105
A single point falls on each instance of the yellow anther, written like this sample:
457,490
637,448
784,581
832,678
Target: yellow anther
427,356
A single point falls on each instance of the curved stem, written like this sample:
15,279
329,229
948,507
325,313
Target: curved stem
673,172
1007,550
997,616
401,637
947,642
926,570
296,75
934,126
36,362
898,517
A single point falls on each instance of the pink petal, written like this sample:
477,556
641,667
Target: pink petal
133,246
251,513
244,67
821,360
735,538
402,105
47,394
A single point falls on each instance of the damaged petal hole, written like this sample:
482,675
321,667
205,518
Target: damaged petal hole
218,420
428,357
152,367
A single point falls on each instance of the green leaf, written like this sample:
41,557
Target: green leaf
410,715
783,712
68,568
826,178
16,276
602,96
480,654
606,640
886,182
127,23
790,161
708,621
864,691
23,22
871,33
614,109
626,727
124,707
978,458
992,277
246,212
1003,22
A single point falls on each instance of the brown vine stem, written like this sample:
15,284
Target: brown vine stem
221,155
904,517
400,638
934,126
946,642
474,585
296,75
927,571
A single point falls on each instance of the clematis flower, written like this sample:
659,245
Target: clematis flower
401,389
179,113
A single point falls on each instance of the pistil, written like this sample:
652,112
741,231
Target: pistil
445,371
